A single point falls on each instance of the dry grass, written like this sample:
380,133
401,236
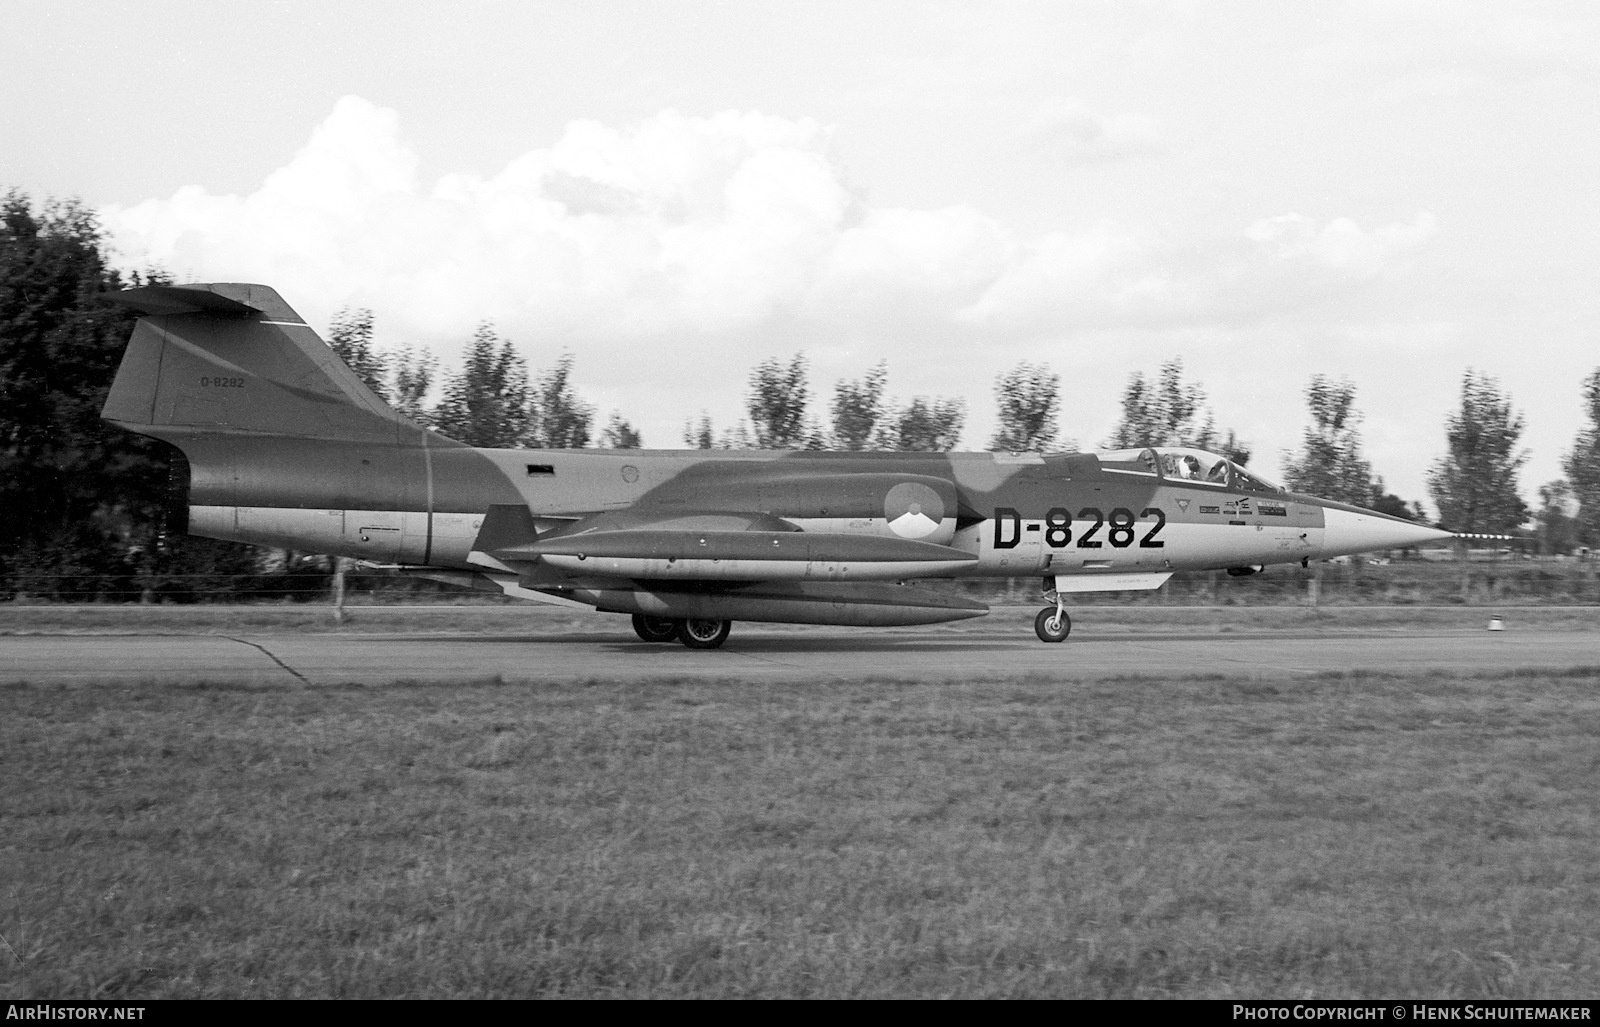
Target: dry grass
1340,836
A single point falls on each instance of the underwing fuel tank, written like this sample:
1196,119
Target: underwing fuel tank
867,605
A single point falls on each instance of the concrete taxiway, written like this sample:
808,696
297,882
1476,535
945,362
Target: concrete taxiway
761,653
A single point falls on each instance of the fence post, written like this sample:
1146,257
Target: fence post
338,589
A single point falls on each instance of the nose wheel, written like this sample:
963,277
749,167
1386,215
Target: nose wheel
1052,624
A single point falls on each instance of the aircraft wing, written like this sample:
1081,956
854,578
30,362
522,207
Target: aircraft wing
665,554
709,546
716,564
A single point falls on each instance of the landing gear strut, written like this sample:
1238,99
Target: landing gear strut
655,629
1052,623
703,634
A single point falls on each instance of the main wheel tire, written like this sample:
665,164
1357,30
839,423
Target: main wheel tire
704,634
1052,625
655,629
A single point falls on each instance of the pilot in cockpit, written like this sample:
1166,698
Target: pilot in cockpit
1181,466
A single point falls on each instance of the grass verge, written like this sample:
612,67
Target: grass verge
1359,835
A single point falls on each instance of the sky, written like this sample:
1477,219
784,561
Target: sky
1389,192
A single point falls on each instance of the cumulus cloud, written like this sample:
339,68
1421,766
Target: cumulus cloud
1080,135
679,222
683,225
1341,245
1111,277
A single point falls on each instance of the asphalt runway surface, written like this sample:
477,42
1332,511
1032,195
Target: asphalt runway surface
609,652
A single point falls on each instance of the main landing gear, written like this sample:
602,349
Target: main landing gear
694,632
1052,623
704,634
655,629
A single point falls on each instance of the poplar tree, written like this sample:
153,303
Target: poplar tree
928,425
350,336
1474,484
558,418
1329,464
699,434
1165,411
619,434
1028,397
1583,465
776,401
858,409
486,404
1556,529
411,375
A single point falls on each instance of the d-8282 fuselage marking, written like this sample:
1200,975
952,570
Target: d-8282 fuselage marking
1120,528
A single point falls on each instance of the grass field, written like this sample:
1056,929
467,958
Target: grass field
1335,836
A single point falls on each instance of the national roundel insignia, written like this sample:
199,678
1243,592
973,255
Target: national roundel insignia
913,510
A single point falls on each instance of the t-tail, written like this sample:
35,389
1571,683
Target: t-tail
236,360
270,419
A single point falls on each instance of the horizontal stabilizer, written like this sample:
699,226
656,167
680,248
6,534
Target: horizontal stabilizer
225,299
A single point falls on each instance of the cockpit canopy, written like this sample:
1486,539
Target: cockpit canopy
1196,466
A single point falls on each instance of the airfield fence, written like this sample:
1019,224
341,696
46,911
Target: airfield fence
1402,582
1399,583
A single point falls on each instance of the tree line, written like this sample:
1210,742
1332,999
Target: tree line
91,510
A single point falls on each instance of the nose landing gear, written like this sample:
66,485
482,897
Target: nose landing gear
1052,623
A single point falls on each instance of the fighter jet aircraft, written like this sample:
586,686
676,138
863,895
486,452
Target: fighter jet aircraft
287,447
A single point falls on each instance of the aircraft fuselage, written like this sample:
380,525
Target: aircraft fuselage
1016,514
287,447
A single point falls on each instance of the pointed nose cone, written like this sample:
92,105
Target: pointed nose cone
1362,531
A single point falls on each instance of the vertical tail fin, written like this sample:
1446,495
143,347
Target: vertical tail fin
236,359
